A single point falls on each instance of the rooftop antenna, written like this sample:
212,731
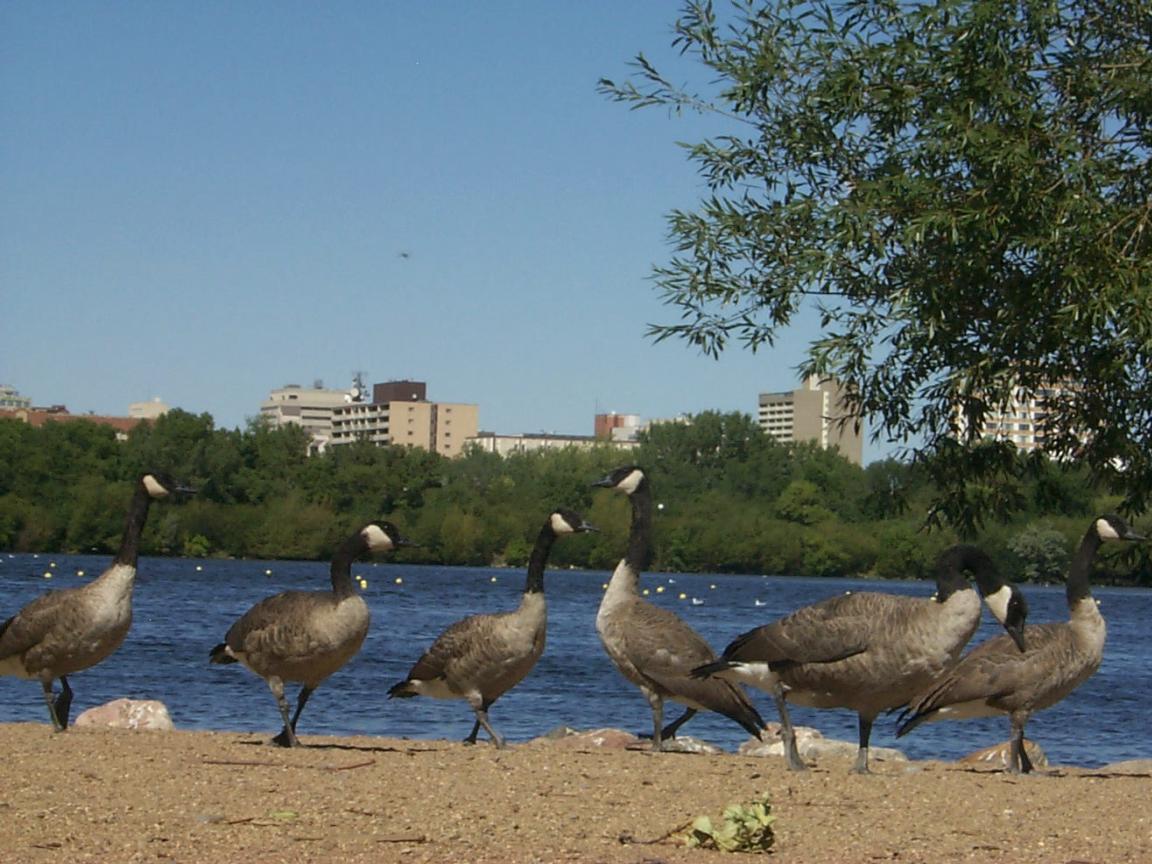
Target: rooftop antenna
358,392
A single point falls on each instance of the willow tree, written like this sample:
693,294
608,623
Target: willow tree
963,190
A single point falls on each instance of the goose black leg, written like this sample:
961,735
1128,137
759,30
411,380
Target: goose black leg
54,703
669,731
482,720
787,731
656,701
287,738
471,739
301,700
1018,760
861,766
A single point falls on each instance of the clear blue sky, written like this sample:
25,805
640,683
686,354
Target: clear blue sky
206,201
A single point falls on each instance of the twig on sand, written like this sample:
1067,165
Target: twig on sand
403,838
626,839
256,763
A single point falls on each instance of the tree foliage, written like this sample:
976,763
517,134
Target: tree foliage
962,188
729,499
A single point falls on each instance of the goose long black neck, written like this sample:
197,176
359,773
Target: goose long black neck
639,554
134,527
342,559
534,584
1077,586
962,559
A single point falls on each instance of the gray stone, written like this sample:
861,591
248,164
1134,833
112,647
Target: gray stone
128,714
997,755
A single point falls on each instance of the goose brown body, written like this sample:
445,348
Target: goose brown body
306,636
482,657
869,652
997,677
653,647
67,631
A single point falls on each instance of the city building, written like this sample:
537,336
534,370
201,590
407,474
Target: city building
505,445
149,410
308,407
400,413
37,417
617,427
11,400
1020,421
812,413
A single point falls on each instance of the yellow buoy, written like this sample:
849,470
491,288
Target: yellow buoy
198,568
659,589
399,580
713,587
683,596
604,586
493,579
47,575
645,592
52,564
79,572
268,572
363,584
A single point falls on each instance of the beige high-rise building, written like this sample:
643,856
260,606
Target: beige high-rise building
1020,421
309,407
812,413
400,413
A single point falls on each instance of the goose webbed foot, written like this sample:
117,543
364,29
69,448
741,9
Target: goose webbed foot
471,738
286,738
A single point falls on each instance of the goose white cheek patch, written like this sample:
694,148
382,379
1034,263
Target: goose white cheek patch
998,603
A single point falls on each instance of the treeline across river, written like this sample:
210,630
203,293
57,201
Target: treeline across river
729,499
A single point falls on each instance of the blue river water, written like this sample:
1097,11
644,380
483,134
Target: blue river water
183,607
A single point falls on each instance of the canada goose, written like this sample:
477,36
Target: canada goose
62,632
995,678
869,651
482,657
651,646
305,636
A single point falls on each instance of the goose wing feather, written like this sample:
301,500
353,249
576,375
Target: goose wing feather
28,627
997,673
665,650
831,630
279,625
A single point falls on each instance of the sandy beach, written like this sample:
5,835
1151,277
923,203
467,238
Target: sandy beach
108,795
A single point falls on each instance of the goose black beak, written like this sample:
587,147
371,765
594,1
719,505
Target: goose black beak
1016,631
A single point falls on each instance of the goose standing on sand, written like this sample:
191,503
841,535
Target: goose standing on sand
651,646
869,651
62,632
482,657
305,636
995,678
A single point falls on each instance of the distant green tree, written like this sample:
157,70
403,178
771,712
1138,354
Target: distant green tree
1042,552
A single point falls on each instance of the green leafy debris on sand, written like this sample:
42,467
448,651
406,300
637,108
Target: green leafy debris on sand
742,828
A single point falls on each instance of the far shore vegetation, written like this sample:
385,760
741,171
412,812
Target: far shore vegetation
730,499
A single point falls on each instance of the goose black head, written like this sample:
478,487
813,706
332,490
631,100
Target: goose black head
569,522
1015,614
159,484
383,537
1112,527
627,479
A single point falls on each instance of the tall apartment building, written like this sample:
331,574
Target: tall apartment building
1020,421
400,413
309,407
811,413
